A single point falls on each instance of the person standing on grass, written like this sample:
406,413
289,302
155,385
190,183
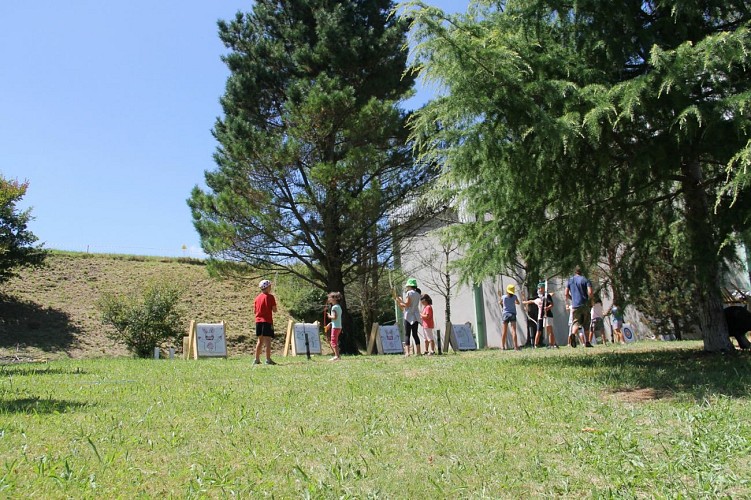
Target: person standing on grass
579,291
617,314
335,315
264,307
532,310
508,303
598,322
410,304
544,303
428,323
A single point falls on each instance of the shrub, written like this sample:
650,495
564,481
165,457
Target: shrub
146,320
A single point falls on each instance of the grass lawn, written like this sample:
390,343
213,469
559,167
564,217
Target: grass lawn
645,420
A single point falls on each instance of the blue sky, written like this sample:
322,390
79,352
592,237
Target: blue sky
106,108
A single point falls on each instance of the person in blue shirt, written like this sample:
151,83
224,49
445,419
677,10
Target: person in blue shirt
579,291
508,303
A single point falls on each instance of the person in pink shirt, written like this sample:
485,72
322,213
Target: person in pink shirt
264,307
427,323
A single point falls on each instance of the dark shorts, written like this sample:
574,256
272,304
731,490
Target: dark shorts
597,325
509,318
581,316
265,330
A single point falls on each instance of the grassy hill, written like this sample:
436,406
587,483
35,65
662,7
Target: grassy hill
51,312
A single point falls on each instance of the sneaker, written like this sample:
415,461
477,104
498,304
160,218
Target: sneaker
588,345
256,362
335,358
270,362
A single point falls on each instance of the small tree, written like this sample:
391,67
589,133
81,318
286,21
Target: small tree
16,241
146,320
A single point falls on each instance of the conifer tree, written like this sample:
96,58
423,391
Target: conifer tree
562,121
313,160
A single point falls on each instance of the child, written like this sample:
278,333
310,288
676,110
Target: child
335,315
597,324
544,306
411,307
617,314
264,306
509,303
427,323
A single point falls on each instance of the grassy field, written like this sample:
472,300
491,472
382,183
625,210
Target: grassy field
645,420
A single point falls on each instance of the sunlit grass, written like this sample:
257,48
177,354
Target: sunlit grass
645,420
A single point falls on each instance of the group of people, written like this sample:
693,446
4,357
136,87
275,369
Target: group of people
264,308
414,316
586,317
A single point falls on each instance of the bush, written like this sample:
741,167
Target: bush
146,320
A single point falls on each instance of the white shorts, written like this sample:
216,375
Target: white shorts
428,333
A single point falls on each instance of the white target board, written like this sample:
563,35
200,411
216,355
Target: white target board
629,334
389,340
462,337
298,339
211,340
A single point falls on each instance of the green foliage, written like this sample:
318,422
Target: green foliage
144,320
313,153
561,122
304,301
17,249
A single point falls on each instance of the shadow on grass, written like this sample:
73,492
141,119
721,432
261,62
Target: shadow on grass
681,371
25,323
18,370
37,406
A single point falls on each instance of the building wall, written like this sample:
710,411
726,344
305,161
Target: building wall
422,257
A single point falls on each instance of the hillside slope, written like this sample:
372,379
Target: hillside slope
51,312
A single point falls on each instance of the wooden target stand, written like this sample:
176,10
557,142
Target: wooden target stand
296,338
385,339
205,340
459,337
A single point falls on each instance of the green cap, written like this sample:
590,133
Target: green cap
412,282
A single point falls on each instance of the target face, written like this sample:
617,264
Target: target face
628,333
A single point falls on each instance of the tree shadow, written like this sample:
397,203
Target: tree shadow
25,369
688,372
25,323
39,406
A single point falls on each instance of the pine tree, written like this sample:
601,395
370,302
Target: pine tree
313,156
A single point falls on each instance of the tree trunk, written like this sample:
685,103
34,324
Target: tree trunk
704,254
676,323
447,277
